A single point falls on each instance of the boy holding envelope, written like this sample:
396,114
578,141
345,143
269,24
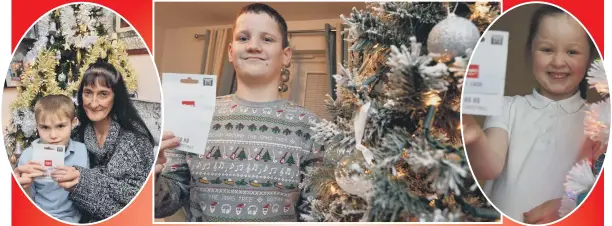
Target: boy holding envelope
249,169
55,118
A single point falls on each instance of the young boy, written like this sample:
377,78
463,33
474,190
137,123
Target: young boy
257,144
55,118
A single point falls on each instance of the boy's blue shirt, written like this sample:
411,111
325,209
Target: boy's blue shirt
48,195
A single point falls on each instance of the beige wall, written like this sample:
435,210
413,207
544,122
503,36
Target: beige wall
148,85
519,78
179,52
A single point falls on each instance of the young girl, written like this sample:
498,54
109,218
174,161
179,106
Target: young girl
525,153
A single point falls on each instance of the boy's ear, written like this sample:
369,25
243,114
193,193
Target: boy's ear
229,53
287,54
75,121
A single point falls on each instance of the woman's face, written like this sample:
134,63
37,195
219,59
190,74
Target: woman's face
561,55
256,50
97,101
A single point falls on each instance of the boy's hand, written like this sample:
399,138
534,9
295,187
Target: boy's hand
66,176
168,141
25,174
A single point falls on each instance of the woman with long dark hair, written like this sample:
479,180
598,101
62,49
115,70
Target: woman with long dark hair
119,144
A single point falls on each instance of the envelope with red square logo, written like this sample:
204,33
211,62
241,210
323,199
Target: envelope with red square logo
483,90
49,156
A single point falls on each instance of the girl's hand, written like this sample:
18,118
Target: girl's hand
66,176
25,174
546,212
168,141
472,132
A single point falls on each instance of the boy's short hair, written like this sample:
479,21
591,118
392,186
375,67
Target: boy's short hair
258,8
54,104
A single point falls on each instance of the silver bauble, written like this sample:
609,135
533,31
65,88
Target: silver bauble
352,174
453,36
61,77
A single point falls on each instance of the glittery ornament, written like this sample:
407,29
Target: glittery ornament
353,175
61,77
28,123
18,150
13,159
453,36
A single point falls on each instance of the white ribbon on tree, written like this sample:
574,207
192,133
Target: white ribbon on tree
359,124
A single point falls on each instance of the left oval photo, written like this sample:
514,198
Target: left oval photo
81,113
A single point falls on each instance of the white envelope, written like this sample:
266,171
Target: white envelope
49,156
483,90
189,105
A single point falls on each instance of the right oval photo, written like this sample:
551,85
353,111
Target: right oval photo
536,113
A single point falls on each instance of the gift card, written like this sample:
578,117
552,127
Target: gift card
483,90
189,105
49,156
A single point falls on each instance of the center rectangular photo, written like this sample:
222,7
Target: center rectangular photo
316,112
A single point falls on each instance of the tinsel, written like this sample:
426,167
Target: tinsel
24,119
597,121
68,24
41,42
483,14
580,179
419,172
597,77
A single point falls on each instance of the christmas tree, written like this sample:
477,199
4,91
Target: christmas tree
290,160
217,154
582,177
70,38
392,151
242,155
266,157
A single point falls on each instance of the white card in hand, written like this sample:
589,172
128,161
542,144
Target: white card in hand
189,105
483,90
49,156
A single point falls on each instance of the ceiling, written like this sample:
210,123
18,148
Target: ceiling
192,14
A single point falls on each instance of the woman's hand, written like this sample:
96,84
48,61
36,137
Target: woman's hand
546,212
66,176
25,174
168,141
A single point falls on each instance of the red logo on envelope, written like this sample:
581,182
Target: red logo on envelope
473,71
48,163
188,103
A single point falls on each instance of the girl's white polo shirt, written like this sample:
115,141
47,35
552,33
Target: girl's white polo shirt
544,139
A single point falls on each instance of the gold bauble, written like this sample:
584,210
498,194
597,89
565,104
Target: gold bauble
13,159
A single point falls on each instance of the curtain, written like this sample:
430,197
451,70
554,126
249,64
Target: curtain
216,52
